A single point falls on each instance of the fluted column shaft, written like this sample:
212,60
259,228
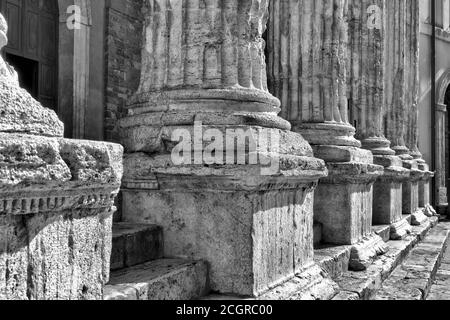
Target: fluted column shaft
366,91
366,73
396,75
308,66
213,49
412,43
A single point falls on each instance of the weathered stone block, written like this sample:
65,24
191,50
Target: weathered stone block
56,205
344,212
134,244
387,205
166,279
253,240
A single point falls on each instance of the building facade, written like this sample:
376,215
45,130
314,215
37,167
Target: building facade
434,71
271,147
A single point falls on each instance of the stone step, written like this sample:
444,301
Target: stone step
134,244
412,280
335,259
365,284
440,290
164,279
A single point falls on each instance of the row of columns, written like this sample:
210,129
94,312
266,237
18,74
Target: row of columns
340,68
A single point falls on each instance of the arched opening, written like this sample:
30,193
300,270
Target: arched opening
442,123
33,46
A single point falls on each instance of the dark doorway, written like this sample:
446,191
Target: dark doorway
27,70
33,46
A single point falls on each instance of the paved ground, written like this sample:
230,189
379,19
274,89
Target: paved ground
440,289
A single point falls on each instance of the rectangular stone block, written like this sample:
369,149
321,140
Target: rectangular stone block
387,202
424,193
55,256
165,279
252,240
345,212
410,198
134,244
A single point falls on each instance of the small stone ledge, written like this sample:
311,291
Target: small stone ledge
134,244
365,284
166,279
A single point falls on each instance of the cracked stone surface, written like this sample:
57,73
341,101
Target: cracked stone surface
56,201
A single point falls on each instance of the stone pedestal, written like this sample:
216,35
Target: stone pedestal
424,190
388,194
411,193
56,201
208,158
307,70
367,56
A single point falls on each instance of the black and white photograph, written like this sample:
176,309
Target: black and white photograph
224,156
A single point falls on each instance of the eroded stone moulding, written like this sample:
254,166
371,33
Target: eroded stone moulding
203,63
56,201
308,66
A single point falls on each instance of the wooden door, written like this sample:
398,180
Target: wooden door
33,41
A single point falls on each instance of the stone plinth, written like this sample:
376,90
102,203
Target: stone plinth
308,64
388,194
208,158
56,202
425,189
411,193
254,232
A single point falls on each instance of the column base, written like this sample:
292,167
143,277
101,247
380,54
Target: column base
411,187
400,230
254,230
363,253
344,200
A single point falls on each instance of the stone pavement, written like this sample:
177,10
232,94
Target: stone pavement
440,289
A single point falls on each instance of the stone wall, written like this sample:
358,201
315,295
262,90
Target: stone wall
122,60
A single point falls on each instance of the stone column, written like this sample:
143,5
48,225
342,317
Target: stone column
367,32
413,44
208,158
400,17
308,71
56,201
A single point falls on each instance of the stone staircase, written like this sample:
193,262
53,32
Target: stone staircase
414,278
139,270
405,272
